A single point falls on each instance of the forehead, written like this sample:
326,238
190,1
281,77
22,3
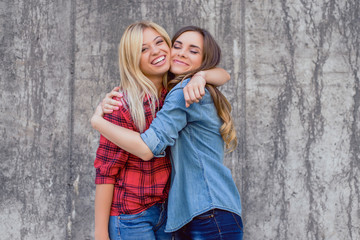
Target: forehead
149,34
191,38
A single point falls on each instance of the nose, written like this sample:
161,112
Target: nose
181,53
155,50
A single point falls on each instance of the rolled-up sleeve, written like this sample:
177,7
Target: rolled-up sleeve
169,121
153,142
109,157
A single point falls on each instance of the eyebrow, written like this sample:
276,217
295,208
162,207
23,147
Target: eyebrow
154,39
177,41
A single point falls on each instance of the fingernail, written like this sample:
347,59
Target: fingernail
116,108
120,94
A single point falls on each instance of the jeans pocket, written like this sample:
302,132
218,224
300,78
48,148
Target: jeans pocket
238,221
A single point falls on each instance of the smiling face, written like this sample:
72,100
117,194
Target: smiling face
187,52
155,54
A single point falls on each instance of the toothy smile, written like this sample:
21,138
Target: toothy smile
157,60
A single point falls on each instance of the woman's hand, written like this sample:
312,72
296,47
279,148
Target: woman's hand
108,104
195,89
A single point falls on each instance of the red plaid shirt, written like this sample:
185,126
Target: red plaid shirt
138,184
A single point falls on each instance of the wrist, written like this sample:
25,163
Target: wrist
201,73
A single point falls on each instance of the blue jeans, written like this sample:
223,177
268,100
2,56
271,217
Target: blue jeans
148,224
215,224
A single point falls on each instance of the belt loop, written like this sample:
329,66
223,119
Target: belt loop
163,205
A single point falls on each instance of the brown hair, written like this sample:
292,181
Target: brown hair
211,58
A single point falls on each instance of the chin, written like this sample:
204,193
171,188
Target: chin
177,71
162,69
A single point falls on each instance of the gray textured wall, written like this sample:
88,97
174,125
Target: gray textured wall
295,92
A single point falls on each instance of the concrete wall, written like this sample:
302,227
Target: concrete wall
295,92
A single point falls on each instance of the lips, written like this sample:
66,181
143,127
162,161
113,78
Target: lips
158,60
180,62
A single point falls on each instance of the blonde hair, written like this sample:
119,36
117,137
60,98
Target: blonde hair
211,58
135,85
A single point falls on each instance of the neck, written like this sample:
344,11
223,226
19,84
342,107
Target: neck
158,82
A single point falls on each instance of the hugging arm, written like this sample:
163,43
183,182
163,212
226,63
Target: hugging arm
124,138
169,121
193,91
216,76
164,129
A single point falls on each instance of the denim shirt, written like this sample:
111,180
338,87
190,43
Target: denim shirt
199,180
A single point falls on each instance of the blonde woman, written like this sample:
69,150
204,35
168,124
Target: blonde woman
204,202
131,194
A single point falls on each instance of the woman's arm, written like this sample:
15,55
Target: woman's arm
215,76
125,138
195,89
169,121
103,200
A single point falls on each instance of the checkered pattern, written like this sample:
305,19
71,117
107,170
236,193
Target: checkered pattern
138,184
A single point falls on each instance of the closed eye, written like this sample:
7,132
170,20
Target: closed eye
159,42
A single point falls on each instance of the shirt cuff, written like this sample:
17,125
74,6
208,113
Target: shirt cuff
100,179
153,142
